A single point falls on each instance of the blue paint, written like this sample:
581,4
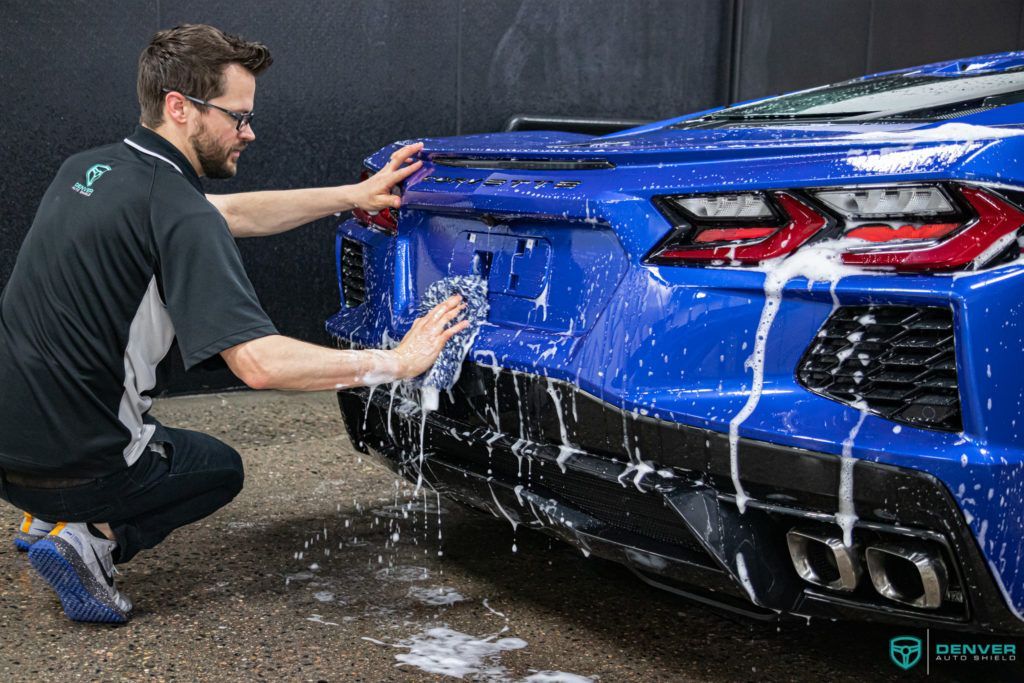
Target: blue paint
671,341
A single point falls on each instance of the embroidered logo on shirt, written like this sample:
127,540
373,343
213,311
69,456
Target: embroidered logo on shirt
91,176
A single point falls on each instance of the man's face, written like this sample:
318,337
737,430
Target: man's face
215,140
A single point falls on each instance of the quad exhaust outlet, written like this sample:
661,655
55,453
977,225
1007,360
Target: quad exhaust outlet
905,572
824,560
909,574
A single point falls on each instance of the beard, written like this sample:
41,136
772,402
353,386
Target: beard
214,160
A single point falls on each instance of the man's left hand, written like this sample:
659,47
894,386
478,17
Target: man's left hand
374,193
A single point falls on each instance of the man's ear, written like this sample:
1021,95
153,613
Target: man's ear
175,107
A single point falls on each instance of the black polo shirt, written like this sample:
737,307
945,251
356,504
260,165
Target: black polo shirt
125,254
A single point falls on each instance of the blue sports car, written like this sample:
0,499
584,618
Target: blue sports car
768,356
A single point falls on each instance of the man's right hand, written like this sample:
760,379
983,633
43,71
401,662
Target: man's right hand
278,362
423,342
374,193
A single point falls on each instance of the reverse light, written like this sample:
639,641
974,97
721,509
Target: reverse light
727,206
384,220
881,202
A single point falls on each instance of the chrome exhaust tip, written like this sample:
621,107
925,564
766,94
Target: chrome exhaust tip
910,574
824,560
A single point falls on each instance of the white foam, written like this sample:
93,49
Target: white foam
556,677
911,159
320,620
817,263
744,576
638,471
403,573
381,367
947,131
436,595
447,652
846,516
298,576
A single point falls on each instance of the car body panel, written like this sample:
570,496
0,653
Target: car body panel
574,300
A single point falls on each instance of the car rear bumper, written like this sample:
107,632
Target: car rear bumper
497,443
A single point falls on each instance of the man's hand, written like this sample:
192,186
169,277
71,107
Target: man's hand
256,214
277,362
374,193
423,342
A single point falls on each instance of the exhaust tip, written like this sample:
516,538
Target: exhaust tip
824,560
912,575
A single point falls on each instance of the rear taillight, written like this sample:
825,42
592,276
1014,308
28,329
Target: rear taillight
937,227
946,245
757,228
384,219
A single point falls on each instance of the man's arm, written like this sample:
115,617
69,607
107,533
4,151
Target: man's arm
278,362
256,214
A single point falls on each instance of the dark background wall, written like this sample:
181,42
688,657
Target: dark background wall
350,76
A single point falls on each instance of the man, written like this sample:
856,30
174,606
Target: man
125,254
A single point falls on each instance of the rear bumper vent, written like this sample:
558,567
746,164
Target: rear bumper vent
353,272
899,360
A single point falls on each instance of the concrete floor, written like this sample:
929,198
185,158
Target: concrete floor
312,563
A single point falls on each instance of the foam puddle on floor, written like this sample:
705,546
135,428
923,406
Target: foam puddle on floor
447,652
441,650
436,596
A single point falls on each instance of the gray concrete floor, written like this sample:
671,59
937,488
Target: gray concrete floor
234,597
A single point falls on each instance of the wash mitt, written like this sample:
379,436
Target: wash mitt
445,371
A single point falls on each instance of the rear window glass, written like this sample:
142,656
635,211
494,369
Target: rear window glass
888,96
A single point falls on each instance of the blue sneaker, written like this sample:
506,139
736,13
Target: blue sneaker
30,531
80,567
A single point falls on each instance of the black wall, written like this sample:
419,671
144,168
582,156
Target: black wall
350,76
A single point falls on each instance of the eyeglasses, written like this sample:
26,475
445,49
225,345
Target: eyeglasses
241,120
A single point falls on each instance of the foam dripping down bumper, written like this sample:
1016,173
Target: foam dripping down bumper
675,523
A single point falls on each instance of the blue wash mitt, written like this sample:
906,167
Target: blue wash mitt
445,372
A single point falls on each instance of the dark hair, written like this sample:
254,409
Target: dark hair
191,59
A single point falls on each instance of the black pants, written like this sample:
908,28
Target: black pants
150,499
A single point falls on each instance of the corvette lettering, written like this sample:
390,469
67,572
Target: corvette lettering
498,182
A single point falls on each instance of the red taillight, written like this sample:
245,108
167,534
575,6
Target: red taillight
384,219
883,232
995,218
732,234
775,240
906,226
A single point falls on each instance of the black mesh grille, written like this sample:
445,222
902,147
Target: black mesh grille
623,507
353,277
899,360
618,504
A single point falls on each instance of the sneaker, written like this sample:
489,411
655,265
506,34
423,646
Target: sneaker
80,567
31,530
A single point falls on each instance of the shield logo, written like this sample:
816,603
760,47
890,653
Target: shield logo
94,173
905,651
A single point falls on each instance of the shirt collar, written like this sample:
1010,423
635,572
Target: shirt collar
149,142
